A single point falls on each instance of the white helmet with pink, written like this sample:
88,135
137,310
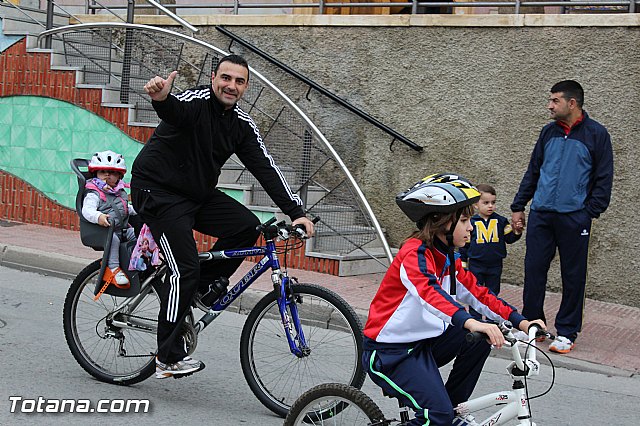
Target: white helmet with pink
107,160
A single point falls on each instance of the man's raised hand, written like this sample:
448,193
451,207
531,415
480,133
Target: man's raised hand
158,88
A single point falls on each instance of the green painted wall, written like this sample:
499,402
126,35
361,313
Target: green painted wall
39,136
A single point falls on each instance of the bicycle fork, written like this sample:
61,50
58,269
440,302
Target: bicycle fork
291,324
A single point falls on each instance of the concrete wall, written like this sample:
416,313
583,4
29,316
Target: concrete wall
472,91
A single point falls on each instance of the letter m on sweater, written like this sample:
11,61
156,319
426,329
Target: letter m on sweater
487,234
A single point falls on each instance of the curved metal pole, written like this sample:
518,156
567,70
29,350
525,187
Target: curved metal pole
303,116
173,16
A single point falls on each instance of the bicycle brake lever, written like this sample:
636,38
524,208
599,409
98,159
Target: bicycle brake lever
302,231
283,233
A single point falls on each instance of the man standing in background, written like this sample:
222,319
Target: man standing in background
569,178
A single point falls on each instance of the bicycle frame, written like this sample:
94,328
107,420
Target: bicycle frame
515,402
280,280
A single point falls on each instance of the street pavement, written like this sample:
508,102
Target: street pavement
609,342
38,366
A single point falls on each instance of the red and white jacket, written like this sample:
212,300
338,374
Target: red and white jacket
414,302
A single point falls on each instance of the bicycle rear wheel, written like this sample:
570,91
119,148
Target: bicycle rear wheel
109,353
332,330
334,404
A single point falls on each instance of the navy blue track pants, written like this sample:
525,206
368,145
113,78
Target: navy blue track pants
569,234
411,374
487,276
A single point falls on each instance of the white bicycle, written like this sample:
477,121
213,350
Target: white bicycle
339,404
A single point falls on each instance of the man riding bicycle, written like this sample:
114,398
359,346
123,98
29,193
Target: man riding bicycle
173,189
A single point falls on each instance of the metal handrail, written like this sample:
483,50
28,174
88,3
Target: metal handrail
108,9
321,89
15,6
266,82
322,5
71,15
172,16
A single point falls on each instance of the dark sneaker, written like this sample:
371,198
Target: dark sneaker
179,369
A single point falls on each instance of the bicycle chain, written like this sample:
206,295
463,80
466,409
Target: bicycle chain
121,339
191,337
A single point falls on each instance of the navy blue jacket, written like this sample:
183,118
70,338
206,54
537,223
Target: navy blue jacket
489,239
570,172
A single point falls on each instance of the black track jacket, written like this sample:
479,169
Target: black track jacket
194,139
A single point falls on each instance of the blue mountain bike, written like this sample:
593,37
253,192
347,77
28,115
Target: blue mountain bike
295,337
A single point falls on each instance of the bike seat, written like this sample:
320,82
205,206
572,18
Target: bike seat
99,238
92,235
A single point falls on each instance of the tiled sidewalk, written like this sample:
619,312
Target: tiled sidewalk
610,337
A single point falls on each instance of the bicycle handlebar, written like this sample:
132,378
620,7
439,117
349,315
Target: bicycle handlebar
522,366
283,230
535,331
302,231
476,336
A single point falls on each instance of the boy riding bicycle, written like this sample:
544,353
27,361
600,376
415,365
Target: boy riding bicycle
416,323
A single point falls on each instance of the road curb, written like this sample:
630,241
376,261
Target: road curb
67,267
563,361
45,263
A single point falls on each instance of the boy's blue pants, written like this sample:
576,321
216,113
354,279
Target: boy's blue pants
569,233
410,373
487,276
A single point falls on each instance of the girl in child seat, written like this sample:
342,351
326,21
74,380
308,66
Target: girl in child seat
105,202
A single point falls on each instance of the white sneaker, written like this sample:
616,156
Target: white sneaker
120,278
561,345
179,369
116,277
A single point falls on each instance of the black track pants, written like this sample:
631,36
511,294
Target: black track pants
171,219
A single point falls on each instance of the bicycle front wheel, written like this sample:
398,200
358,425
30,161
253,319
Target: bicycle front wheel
334,404
110,353
332,331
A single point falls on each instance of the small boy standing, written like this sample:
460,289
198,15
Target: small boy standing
488,246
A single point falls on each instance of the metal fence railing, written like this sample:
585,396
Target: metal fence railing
237,7
312,167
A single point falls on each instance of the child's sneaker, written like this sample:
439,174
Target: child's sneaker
561,345
179,369
117,277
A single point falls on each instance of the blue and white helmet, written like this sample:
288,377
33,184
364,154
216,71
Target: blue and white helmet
437,193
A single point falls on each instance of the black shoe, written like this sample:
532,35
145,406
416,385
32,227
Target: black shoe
215,290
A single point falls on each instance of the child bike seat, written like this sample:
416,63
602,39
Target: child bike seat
99,237
91,234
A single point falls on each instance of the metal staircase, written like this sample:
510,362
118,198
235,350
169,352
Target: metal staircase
348,231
